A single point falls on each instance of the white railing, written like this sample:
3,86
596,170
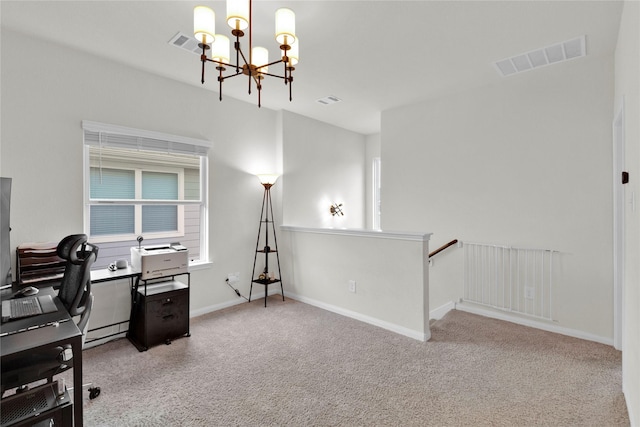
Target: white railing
512,279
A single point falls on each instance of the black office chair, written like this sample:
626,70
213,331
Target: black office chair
75,294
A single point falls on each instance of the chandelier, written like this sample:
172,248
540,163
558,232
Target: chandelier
256,65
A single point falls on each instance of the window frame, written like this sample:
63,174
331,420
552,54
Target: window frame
106,135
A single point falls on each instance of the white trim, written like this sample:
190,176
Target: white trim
216,307
376,171
471,308
211,308
617,129
416,335
439,313
379,234
141,133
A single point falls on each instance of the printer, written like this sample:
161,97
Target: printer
160,260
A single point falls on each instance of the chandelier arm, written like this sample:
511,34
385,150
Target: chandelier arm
239,50
232,75
270,64
273,75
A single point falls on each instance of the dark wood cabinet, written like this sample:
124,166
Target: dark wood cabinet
159,313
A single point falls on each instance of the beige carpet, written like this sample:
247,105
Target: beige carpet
297,365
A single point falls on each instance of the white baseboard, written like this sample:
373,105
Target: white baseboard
99,341
475,309
216,307
438,313
417,335
238,300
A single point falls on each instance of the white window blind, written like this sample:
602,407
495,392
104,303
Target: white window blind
101,134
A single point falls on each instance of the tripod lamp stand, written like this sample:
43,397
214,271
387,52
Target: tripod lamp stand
267,276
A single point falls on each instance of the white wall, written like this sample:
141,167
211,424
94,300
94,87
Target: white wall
389,269
46,96
524,163
626,86
323,164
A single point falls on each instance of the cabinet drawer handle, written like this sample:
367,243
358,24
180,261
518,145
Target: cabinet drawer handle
167,301
168,316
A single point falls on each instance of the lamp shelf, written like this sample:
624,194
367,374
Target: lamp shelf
265,251
265,281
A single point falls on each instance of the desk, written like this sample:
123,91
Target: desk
105,275
14,345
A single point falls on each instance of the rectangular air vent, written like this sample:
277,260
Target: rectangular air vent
328,100
185,42
548,55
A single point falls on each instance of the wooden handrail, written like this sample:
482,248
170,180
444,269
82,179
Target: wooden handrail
443,247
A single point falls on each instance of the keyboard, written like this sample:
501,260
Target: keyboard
18,308
25,307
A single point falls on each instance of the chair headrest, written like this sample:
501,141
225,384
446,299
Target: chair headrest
68,247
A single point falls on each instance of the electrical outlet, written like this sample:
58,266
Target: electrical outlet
233,278
529,292
352,286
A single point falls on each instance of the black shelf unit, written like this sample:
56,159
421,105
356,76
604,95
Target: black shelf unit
159,311
266,277
39,406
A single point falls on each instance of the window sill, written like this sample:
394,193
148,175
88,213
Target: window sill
200,265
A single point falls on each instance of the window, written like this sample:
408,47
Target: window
140,183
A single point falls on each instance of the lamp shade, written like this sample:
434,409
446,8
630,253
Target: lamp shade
238,14
268,178
260,56
293,53
285,26
204,24
220,49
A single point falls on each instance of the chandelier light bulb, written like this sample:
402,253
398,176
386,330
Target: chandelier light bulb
285,26
204,24
220,49
238,14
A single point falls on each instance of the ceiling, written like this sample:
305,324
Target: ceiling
373,55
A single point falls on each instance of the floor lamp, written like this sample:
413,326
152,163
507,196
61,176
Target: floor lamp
267,277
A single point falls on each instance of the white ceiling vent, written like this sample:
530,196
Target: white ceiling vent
328,100
559,52
186,42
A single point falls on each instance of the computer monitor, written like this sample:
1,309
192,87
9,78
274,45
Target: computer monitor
5,241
